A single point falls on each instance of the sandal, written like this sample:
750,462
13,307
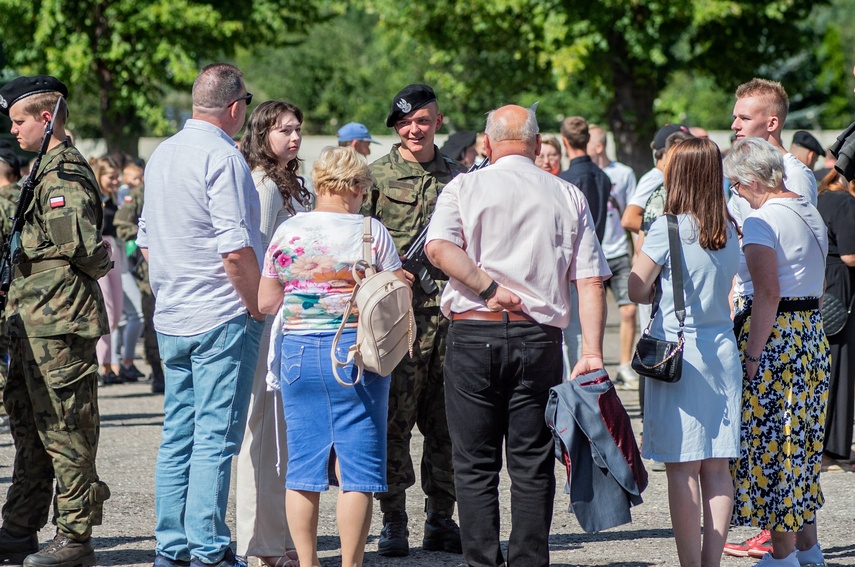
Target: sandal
288,560
833,465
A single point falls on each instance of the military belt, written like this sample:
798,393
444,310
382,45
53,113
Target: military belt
27,269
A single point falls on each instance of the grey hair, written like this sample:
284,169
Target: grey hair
500,130
755,159
217,85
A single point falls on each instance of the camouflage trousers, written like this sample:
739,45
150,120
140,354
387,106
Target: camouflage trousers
417,397
4,366
52,400
150,348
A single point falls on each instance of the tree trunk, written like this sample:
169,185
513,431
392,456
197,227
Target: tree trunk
631,117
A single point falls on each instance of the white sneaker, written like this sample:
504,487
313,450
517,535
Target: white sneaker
811,557
790,560
627,377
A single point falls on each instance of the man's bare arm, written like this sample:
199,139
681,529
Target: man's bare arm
242,269
452,260
592,316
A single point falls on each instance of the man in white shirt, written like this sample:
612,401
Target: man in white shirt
512,239
200,233
760,112
617,251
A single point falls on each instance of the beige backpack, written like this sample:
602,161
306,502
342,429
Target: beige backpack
386,328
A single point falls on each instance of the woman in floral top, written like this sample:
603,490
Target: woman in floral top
307,275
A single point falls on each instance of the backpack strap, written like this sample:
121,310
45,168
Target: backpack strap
369,270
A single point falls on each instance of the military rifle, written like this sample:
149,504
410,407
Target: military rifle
11,255
416,261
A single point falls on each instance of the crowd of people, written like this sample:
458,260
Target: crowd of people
246,311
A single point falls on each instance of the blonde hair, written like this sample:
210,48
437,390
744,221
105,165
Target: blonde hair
101,166
35,104
339,171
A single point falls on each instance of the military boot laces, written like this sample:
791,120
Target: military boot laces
63,552
441,534
393,537
13,548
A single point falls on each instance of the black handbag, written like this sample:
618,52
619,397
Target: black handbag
658,358
834,314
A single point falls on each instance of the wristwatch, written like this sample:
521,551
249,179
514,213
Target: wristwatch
490,291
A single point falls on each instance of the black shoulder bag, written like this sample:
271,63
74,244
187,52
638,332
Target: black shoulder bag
658,358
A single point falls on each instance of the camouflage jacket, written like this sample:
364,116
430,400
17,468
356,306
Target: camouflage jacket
9,195
54,288
403,198
127,226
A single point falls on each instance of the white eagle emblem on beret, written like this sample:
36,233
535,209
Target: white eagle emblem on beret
405,106
3,103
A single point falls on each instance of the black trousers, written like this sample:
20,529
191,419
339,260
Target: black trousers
497,380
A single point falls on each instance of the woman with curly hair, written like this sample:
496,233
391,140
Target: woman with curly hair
270,144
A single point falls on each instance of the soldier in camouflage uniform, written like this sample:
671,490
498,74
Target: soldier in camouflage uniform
10,173
407,182
125,222
55,315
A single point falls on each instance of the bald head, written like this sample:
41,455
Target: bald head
512,130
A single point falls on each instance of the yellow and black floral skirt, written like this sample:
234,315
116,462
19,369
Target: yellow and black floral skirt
783,422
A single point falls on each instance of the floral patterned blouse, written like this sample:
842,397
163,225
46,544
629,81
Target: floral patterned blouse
312,255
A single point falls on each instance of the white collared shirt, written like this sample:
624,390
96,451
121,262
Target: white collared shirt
528,229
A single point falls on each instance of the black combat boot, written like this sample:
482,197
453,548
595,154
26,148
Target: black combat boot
393,537
441,534
63,552
157,385
14,548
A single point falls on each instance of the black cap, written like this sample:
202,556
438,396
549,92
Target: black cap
9,157
662,135
807,141
456,143
22,87
412,97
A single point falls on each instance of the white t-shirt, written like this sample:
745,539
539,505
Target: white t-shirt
312,255
646,185
530,230
797,178
800,246
623,185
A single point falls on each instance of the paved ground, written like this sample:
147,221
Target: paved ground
131,423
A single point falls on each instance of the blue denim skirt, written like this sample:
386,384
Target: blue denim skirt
323,417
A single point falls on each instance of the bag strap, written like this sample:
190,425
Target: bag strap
676,252
369,271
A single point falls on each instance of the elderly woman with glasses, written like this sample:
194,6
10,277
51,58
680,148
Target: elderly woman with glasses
784,352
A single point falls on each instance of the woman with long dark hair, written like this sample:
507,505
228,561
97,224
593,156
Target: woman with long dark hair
693,425
270,144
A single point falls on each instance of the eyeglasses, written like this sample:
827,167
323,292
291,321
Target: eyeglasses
247,97
734,187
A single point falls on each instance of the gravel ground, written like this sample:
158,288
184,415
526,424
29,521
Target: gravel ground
130,434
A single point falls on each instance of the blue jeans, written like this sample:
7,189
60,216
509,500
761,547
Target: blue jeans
208,384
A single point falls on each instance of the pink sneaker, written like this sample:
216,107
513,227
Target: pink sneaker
756,546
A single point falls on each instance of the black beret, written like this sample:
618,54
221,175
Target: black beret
412,97
808,142
456,143
22,87
9,157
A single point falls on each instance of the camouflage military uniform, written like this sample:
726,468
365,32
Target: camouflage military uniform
403,198
55,316
125,222
8,201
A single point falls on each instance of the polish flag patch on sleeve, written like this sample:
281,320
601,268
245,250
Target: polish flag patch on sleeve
57,202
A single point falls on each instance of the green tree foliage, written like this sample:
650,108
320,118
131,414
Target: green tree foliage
625,52
128,53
